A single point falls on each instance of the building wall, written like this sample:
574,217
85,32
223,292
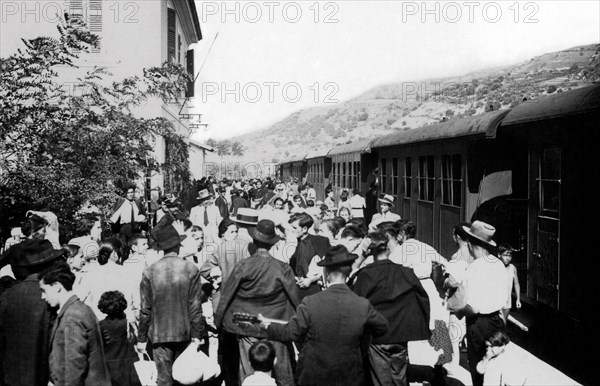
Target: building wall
197,159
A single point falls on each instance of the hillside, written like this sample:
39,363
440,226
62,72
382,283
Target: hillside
408,105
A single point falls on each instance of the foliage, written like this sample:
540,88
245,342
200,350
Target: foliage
61,150
227,147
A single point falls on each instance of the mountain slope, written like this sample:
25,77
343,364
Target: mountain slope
403,106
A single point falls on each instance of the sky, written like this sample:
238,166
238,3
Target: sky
270,58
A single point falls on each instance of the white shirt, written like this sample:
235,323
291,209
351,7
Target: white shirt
417,255
124,212
357,204
259,379
378,218
211,230
485,280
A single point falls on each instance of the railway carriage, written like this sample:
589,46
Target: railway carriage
351,164
295,166
318,165
426,170
530,171
526,171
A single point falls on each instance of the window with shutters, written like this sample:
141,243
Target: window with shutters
426,178
178,48
190,69
171,34
95,21
93,17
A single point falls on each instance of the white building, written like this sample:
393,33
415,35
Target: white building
135,34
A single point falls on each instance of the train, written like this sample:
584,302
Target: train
527,170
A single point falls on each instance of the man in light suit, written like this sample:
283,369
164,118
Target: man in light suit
386,204
207,215
330,324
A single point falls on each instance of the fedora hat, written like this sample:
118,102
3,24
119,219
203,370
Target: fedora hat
35,252
387,199
481,231
337,255
264,232
203,195
164,238
246,216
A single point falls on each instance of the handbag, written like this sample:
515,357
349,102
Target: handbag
146,370
457,302
193,366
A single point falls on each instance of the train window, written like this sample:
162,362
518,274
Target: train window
394,176
550,179
407,177
383,173
356,175
451,180
426,178
339,169
344,175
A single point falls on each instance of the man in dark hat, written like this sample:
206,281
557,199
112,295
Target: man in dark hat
259,284
221,202
331,324
396,292
25,320
33,228
485,280
170,304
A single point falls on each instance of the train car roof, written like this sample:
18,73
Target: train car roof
294,158
317,154
579,101
362,146
478,124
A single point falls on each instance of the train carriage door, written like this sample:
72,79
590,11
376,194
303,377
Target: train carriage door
545,257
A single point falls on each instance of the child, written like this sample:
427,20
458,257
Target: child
119,352
495,345
505,252
262,359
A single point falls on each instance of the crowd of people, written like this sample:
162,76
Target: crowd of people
290,290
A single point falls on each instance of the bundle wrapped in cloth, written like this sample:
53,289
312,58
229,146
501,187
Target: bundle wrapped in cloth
193,366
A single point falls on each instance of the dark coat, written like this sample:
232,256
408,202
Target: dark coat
330,324
13,255
170,308
237,203
25,321
119,352
77,355
306,249
258,284
397,293
222,205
